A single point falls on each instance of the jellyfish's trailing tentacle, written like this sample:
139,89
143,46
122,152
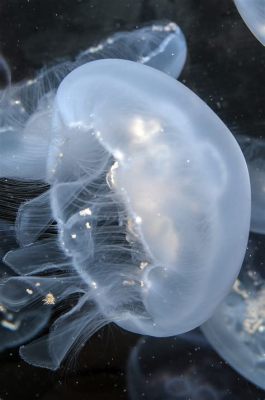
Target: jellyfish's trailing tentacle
20,291
17,327
253,13
39,257
68,333
33,218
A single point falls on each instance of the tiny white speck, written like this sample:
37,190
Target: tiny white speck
85,212
138,219
94,285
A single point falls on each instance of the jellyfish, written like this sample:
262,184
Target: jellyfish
180,368
17,325
25,137
28,106
237,328
253,13
144,181
254,152
162,46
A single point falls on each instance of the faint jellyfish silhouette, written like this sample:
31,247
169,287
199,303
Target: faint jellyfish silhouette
254,152
237,329
161,45
180,368
5,77
253,13
145,180
17,325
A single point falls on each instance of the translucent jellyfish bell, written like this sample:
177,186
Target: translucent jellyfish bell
26,107
253,13
144,183
237,328
169,175
161,46
254,152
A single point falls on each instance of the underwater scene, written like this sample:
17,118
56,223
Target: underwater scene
132,199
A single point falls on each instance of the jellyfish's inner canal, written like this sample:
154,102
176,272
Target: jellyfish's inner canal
102,237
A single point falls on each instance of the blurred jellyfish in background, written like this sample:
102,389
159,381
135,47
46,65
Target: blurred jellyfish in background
253,13
161,45
17,325
254,152
144,183
181,368
28,107
237,329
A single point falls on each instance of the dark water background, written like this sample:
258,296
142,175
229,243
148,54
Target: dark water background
225,67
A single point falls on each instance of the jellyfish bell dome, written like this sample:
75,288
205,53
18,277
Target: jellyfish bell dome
182,184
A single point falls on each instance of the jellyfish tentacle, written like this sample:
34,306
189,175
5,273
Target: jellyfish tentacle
69,332
33,218
39,257
21,291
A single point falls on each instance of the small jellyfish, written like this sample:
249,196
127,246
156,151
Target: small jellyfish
253,13
180,368
149,194
237,328
254,152
161,46
17,324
